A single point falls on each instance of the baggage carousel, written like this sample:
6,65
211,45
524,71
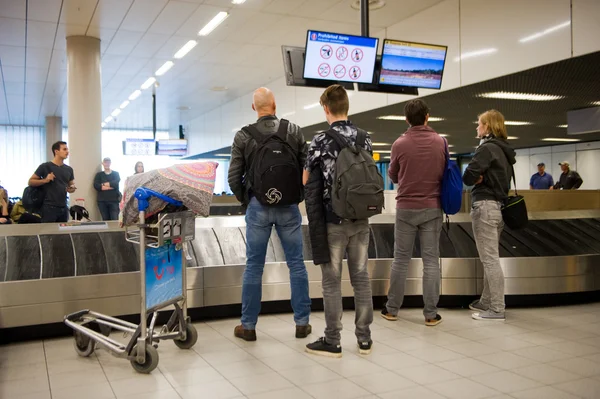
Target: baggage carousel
46,272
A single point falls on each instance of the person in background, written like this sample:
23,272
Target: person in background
139,167
541,180
107,185
417,165
490,172
4,213
569,179
344,237
58,180
260,218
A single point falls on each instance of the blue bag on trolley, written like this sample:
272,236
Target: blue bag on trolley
452,186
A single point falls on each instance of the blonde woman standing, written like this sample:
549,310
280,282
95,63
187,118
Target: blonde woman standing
490,172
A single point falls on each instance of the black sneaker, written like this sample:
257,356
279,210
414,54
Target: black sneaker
322,348
386,315
364,348
433,322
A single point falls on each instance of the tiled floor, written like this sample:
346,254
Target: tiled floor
547,353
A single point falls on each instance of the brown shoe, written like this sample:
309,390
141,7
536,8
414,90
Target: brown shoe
246,335
303,331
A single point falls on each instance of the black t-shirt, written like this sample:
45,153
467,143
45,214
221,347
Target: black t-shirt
56,190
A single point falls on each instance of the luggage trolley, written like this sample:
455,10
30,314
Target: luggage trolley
163,284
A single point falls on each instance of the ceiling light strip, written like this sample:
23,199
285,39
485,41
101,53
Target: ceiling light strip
134,95
216,21
503,95
185,49
164,68
558,139
149,82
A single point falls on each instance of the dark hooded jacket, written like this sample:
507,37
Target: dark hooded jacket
316,212
493,160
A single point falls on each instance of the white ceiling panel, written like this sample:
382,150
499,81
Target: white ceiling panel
15,104
12,56
34,90
78,12
285,7
132,66
12,32
142,14
14,88
124,42
41,34
104,34
198,19
111,62
44,10
249,5
249,25
36,75
172,17
110,13
312,8
13,74
149,45
12,8
59,61
67,30
38,57
49,105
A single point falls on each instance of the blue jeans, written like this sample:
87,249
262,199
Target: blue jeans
259,223
109,210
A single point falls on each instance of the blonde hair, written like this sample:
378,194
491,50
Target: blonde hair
495,123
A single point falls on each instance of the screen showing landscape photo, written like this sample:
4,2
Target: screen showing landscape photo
412,64
172,147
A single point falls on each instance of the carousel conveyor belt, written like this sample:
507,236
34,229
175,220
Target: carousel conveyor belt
46,274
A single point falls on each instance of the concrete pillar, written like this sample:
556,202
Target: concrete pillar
53,133
84,88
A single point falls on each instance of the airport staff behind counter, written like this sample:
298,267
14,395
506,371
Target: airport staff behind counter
541,180
569,179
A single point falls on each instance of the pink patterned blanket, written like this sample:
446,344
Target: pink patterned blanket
190,183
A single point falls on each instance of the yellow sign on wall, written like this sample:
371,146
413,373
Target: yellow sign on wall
376,156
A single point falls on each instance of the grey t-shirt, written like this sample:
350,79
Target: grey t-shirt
56,190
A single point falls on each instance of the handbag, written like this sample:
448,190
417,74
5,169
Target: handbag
514,210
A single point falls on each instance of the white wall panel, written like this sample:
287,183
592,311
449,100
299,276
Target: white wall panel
588,165
500,24
522,172
586,26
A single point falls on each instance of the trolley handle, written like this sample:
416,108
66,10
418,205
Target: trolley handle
144,194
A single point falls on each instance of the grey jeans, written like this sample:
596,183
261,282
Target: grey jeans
351,238
428,224
487,228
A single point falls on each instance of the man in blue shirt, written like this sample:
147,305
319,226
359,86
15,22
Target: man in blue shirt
541,180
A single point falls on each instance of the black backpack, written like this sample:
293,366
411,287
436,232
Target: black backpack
276,173
357,191
33,198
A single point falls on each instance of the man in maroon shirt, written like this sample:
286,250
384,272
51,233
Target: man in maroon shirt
417,166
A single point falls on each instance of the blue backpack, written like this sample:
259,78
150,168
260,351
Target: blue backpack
452,186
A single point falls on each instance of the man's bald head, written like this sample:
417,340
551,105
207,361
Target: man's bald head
263,101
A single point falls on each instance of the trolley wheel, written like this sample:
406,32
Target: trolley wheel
191,336
150,363
84,345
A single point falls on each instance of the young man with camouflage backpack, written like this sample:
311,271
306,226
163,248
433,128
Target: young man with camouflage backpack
352,192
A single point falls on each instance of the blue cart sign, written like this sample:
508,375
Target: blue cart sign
163,275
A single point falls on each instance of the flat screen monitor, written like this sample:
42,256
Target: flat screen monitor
412,64
171,147
139,147
340,57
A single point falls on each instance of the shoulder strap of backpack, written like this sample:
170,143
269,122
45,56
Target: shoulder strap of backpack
253,131
283,129
361,138
335,136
